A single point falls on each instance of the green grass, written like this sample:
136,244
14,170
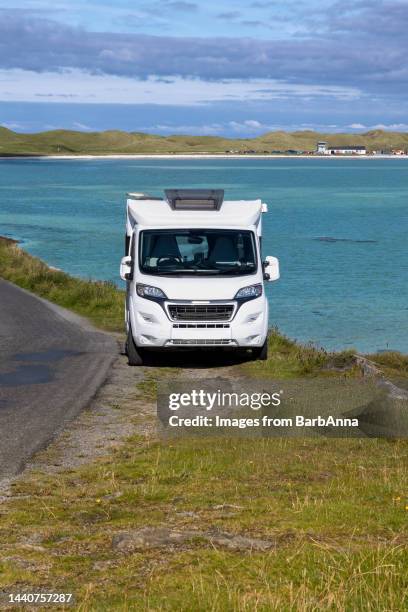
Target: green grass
336,508
391,362
288,359
68,142
101,302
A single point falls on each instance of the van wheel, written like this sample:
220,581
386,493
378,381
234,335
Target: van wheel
133,353
261,353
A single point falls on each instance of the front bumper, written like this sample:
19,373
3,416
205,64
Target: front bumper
152,326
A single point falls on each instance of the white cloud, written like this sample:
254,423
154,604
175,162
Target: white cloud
250,126
390,127
76,86
12,125
252,123
82,127
247,128
213,129
395,127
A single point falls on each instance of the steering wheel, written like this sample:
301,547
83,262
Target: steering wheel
175,258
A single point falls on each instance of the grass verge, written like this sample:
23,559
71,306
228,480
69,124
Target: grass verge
288,359
101,302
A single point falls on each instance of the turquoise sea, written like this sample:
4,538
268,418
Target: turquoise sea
348,291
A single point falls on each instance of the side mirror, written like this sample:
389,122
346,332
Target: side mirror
126,268
271,268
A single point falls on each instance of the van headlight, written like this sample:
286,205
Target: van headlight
150,293
249,293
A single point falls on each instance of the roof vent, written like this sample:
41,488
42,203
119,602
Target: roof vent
195,199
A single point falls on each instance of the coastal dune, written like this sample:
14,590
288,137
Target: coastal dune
68,143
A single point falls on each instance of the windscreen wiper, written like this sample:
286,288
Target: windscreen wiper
188,270
236,270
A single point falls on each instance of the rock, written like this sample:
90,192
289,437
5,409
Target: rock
148,537
239,542
188,513
368,367
35,547
393,391
19,562
227,507
114,495
162,537
102,566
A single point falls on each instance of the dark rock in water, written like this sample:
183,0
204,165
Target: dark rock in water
331,239
326,239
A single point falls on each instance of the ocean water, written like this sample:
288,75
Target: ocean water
350,291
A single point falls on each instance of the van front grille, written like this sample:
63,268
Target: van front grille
202,312
201,326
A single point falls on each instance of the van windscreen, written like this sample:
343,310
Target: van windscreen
197,251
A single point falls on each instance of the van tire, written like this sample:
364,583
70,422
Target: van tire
134,354
261,353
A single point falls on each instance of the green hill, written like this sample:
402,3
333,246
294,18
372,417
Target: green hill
67,142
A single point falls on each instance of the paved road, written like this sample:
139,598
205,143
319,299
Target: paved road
51,364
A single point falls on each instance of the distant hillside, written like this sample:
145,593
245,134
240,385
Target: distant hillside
66,142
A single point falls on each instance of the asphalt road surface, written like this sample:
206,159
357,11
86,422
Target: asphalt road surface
51,364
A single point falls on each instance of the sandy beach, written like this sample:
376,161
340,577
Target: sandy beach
200,156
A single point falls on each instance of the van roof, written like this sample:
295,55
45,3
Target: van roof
158,213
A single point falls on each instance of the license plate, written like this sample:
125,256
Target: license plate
197,333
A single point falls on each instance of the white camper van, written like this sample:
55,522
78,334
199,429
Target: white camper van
195,274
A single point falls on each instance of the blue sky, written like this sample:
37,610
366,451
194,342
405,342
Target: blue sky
213,67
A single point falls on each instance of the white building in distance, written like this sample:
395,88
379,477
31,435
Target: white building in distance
323,149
